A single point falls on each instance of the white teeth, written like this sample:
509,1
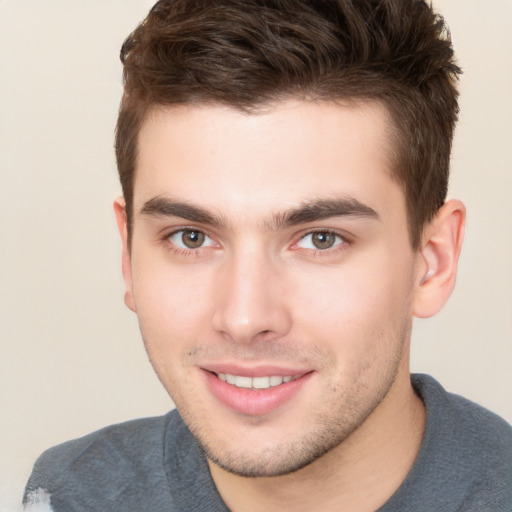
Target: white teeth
254,382
243,382
261,382
275,381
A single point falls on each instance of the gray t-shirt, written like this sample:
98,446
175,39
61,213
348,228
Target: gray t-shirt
155,465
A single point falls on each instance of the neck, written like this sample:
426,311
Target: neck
361,473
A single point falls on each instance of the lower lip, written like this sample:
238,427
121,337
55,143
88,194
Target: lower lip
254,402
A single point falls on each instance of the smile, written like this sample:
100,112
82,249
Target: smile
255,391
254,382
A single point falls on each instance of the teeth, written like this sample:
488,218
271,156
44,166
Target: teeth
261,382
254,382
243,382
275,381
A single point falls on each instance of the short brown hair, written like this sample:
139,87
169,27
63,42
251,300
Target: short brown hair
251,53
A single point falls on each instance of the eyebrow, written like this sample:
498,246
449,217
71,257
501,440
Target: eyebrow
311,211
324,209
166,207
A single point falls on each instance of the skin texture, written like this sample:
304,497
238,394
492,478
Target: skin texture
247,289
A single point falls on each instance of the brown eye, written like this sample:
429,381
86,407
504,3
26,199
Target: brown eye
192,239
320,240
323,240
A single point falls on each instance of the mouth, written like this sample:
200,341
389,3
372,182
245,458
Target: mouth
255,392
264,382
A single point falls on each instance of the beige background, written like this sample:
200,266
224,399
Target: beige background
71,359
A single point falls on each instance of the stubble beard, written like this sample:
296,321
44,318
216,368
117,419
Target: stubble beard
328,431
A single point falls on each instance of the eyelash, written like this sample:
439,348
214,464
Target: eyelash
179,251
338,248
330,251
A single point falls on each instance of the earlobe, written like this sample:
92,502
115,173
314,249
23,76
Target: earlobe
122,224
439,255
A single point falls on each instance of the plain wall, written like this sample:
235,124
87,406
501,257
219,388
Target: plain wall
71,358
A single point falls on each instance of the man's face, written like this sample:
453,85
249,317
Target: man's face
272,275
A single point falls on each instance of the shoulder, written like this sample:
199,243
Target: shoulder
466,452
117,460
123,442
457,416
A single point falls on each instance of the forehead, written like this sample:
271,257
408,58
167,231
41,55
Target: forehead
247,165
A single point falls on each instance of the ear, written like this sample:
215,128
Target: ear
438,259
122,224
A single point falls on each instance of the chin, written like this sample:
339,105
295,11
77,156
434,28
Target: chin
295,452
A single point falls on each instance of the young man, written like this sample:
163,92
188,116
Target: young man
284,167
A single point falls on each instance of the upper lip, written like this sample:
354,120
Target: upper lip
255,370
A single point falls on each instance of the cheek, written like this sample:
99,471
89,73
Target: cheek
172,304
172,314
355,306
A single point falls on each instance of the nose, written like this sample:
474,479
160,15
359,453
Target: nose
250,302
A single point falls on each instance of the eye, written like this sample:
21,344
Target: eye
320,240
190,239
